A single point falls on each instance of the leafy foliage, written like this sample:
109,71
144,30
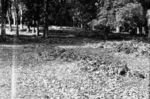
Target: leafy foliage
84,11
123,13
130,14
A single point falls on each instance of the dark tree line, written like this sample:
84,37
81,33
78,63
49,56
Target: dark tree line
121,15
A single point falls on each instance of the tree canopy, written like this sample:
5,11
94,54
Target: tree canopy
112,13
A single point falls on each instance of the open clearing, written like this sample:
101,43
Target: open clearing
90,69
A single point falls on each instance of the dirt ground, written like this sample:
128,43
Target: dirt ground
76,69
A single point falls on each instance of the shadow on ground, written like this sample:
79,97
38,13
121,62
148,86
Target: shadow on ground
59,37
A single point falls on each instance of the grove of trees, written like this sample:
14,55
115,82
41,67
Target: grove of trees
122,15
119,15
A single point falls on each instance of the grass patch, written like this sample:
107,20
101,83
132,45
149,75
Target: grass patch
69,70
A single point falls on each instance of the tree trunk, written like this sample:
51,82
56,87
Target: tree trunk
117,29
45,19
14,18
28,27
9,18
138,30
17,24
149,28
149,33
45,29
21,22
3,19
148,22
9,22
21,18
33,24
143,31
37,28
81,25
17,17
3,27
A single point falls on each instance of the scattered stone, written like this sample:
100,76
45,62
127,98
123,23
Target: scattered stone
124,70
139,75
46,97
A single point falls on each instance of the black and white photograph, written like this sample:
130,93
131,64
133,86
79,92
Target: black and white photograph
74,49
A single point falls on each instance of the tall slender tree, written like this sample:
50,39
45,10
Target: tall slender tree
17,16
45,18
9,15
4,9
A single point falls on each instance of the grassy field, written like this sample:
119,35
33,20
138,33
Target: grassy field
74,68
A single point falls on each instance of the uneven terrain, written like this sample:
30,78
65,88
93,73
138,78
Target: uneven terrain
76,68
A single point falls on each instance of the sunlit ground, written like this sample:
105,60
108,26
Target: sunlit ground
78,69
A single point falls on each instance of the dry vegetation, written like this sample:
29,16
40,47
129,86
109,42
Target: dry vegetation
91,70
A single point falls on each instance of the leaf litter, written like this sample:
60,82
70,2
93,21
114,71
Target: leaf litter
118,69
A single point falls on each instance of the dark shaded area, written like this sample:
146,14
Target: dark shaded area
69,36
76,38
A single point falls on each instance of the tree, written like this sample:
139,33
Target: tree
4,9
148,21
83,11
120,13
39,13
22,9
146,6
48,12
45,19
9,15
131,14
15,2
